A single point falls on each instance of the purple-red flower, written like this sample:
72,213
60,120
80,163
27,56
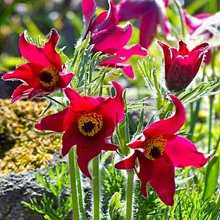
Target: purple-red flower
87,123
199,27
109,38
44,72
181,66
150,13
158,150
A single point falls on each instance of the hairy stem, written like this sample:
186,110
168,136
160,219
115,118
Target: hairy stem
129,195
73,182
96,189
179,8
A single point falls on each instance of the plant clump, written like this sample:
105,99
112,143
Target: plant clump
21,148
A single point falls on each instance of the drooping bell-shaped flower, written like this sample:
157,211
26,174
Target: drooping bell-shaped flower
110,38
150,13
182,65
87,124
44,72
159,150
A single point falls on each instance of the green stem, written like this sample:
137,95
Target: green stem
54,100
210,121
96,189
73,182
80,193
129,195
194,115
179,8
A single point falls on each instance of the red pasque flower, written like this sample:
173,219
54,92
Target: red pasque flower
109,38
87,123
44,72
181,66
158,150
150,13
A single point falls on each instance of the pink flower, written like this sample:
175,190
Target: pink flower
181,66
159,150
197,28
194,22
87,124
44,73
109,38
151,13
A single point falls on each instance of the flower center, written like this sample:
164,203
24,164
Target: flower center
155,147
49,78
90,124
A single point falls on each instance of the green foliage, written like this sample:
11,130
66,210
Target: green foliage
112,182
21,148
211,177
53,205
116,207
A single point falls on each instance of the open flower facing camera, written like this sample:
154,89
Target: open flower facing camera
44,73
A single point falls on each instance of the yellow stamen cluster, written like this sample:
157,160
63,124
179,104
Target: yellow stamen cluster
155,147
49,78
90,124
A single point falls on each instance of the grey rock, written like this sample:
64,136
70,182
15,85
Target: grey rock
7,87
15,188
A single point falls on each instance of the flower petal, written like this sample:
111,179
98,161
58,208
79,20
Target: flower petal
58,122
148,30
127,163
119,35
133,9
183,153
167,56
82,103
26,72
49,48
183,50
89,8
65,80
162,179
145,173
32,53
85,155
21,91
114,107
171,125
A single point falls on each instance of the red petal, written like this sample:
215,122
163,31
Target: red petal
114,107
145,173
127,163
65,80
183,153
32,53
120,36
85,154
148,30
171,125
126,53
167,56
162,179
89,8
138,143
21,91
183,50
50,52
106,19
134,9
166,3
82,103
26,72
58,122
